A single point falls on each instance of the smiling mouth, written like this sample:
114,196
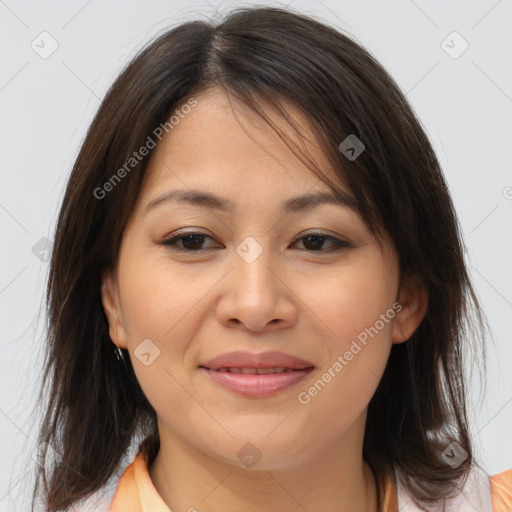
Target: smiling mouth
252,382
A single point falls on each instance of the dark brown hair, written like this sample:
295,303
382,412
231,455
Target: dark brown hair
260,56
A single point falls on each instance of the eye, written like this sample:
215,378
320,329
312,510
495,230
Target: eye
190,242
312,242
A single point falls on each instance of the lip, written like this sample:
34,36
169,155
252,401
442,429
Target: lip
255,385
245,359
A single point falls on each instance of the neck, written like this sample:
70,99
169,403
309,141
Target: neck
334,480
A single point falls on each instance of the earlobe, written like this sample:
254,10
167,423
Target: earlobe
413,298
110,301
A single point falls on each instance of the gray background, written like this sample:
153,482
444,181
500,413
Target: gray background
465,104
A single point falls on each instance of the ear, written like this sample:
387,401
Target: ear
111,306
413,299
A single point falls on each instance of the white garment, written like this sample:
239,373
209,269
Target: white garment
475,496
100,500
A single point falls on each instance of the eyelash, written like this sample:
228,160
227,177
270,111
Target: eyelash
172,242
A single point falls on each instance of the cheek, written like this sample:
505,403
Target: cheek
157,314
157,309
167,305
357,314
158,297
345,384
351,300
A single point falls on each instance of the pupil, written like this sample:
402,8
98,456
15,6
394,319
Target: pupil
319,240
195,239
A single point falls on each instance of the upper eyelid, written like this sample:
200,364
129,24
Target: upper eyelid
314,232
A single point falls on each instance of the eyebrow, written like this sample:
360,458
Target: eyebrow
205,199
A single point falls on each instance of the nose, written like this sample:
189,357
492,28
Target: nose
255,295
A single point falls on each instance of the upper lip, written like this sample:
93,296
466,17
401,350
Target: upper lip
241,359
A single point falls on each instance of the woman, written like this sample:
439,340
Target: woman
259,224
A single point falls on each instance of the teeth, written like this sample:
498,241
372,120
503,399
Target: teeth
265,371
254,371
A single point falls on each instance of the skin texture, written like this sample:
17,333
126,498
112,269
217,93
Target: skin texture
294,297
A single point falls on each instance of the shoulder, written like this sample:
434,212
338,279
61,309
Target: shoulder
479,491
501,490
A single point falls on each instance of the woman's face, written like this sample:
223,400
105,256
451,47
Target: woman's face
308,321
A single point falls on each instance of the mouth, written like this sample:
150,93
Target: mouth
256,375
255,371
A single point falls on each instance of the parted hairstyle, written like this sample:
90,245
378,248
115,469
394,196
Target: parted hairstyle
271,56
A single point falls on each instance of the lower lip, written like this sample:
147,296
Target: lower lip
255,385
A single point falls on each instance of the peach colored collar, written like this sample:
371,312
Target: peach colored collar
136,492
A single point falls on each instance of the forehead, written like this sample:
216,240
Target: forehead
221,141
